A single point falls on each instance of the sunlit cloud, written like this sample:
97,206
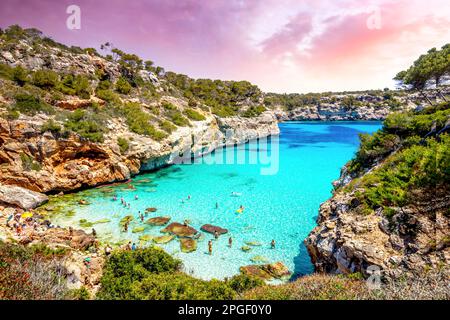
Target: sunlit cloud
281,45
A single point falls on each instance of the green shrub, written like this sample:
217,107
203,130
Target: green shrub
12,115
123,145
151,273
107,95
253,111
31,105
79,294
167,126
194,115
122,86
242,282
104,85
30,274
139,121
75,85
45,79
19,75
86,125
28,163
52,126
177,118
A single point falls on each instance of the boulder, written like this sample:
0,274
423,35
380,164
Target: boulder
158,221
21,197
255,271
152,209
180,230
79,240
212,229
138,230
188,245
277,270
163,239
266,271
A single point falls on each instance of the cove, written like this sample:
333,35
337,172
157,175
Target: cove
282,206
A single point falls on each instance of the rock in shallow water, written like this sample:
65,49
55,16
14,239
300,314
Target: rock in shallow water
21,197
266,271
212,229
188,245
158,221
163,239
180,230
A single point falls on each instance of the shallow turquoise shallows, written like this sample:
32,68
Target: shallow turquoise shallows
281,206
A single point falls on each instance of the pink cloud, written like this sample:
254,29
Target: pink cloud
281,45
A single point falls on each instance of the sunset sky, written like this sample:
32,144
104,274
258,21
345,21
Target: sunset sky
280,45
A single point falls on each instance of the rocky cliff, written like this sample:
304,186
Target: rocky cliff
70,163
390,207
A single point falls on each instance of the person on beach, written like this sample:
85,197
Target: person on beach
230,242
94,233
108,250
216,235
70,231
185,223
142,217
128,247
210,247
125,227
9,219
272,244
121,200
133,247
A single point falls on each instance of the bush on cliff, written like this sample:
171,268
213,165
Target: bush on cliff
31,273
86,124
45,79
139,121
194,115
151,273
409,163
31,104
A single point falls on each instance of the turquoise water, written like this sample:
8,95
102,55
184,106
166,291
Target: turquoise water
282,206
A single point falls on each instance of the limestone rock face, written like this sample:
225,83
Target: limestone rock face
347,242
21,197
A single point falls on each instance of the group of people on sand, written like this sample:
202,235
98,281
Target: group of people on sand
26,223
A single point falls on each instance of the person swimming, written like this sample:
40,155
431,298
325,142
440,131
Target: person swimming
210,247
136,197
230,242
